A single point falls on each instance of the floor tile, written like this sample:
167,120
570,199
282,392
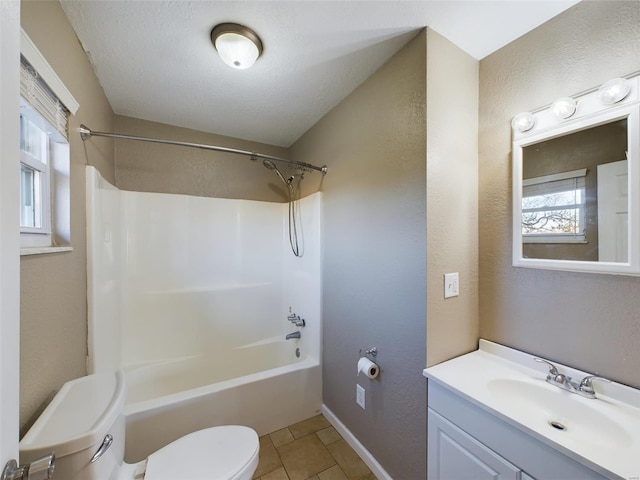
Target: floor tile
269,458
281,437
333,473
328,435
368,476
304,457
348,460
308,426
279,474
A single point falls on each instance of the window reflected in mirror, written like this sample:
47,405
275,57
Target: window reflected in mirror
574,196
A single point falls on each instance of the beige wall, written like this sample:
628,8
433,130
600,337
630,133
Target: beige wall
589,321
150,167
374,257
53,316
452,198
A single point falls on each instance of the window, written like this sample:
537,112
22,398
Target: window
44,163
553,208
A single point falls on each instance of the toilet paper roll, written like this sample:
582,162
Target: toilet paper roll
367,367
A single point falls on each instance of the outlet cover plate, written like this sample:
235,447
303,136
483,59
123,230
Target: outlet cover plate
451,285
360,395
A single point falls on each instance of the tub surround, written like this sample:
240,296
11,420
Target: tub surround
204,275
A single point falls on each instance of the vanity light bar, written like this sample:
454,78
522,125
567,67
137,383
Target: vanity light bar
612,93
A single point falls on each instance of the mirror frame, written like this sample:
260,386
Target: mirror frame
590,112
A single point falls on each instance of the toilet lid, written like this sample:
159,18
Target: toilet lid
218,453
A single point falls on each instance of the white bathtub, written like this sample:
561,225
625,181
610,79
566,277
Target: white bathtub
263,385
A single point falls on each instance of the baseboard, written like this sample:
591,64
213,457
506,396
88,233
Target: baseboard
350,438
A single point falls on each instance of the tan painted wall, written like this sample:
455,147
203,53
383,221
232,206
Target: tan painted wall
586,320
149,167
374,258
452,198
53,316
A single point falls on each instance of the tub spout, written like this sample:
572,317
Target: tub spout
292,335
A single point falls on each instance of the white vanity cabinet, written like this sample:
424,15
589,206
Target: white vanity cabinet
493,414
453,454
466,442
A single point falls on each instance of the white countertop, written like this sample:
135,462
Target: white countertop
602,433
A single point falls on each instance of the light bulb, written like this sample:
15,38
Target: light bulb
614,90
564,107
523,122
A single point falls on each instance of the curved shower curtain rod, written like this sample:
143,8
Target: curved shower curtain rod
86,133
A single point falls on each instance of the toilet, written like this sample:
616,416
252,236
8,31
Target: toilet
84,426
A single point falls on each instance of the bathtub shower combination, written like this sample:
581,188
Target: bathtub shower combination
189,296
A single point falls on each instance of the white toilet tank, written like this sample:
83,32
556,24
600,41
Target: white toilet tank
74,426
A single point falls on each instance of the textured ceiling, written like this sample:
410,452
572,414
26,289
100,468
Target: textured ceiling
155,59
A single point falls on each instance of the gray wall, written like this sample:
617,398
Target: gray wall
374,266
53,303
589,321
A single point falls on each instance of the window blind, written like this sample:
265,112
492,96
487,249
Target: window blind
38,94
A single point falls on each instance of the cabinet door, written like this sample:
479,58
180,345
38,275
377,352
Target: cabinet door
455,455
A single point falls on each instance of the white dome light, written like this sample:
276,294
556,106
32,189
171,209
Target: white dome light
238,46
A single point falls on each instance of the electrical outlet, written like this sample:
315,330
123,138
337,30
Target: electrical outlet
451,285
360,396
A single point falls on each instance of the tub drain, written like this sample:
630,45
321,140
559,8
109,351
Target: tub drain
298,352
557,425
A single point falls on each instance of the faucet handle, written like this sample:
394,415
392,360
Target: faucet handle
553,370
296,320
586,385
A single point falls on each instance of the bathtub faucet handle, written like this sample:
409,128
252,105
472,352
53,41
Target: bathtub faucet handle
296,320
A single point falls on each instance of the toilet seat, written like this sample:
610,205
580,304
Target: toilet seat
218,453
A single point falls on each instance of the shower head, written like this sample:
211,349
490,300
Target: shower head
272,166
269,164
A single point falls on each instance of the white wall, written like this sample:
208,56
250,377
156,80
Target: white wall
9,236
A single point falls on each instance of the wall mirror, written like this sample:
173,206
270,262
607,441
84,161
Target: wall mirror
576,182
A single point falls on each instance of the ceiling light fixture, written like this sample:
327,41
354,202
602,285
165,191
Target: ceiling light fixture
523,122
614,90
564,107
238,46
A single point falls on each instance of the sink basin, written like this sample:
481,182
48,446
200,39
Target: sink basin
601,433
564,413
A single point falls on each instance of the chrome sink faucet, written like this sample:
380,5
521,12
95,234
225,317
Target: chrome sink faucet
584,388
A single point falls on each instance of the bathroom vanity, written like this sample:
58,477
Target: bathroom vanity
491,414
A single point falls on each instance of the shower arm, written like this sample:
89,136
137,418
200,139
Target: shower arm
86,133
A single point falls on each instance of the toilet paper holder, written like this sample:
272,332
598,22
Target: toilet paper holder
372,351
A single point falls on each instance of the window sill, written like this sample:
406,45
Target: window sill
42,250
554,239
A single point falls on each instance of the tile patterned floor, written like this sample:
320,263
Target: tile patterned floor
309,450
